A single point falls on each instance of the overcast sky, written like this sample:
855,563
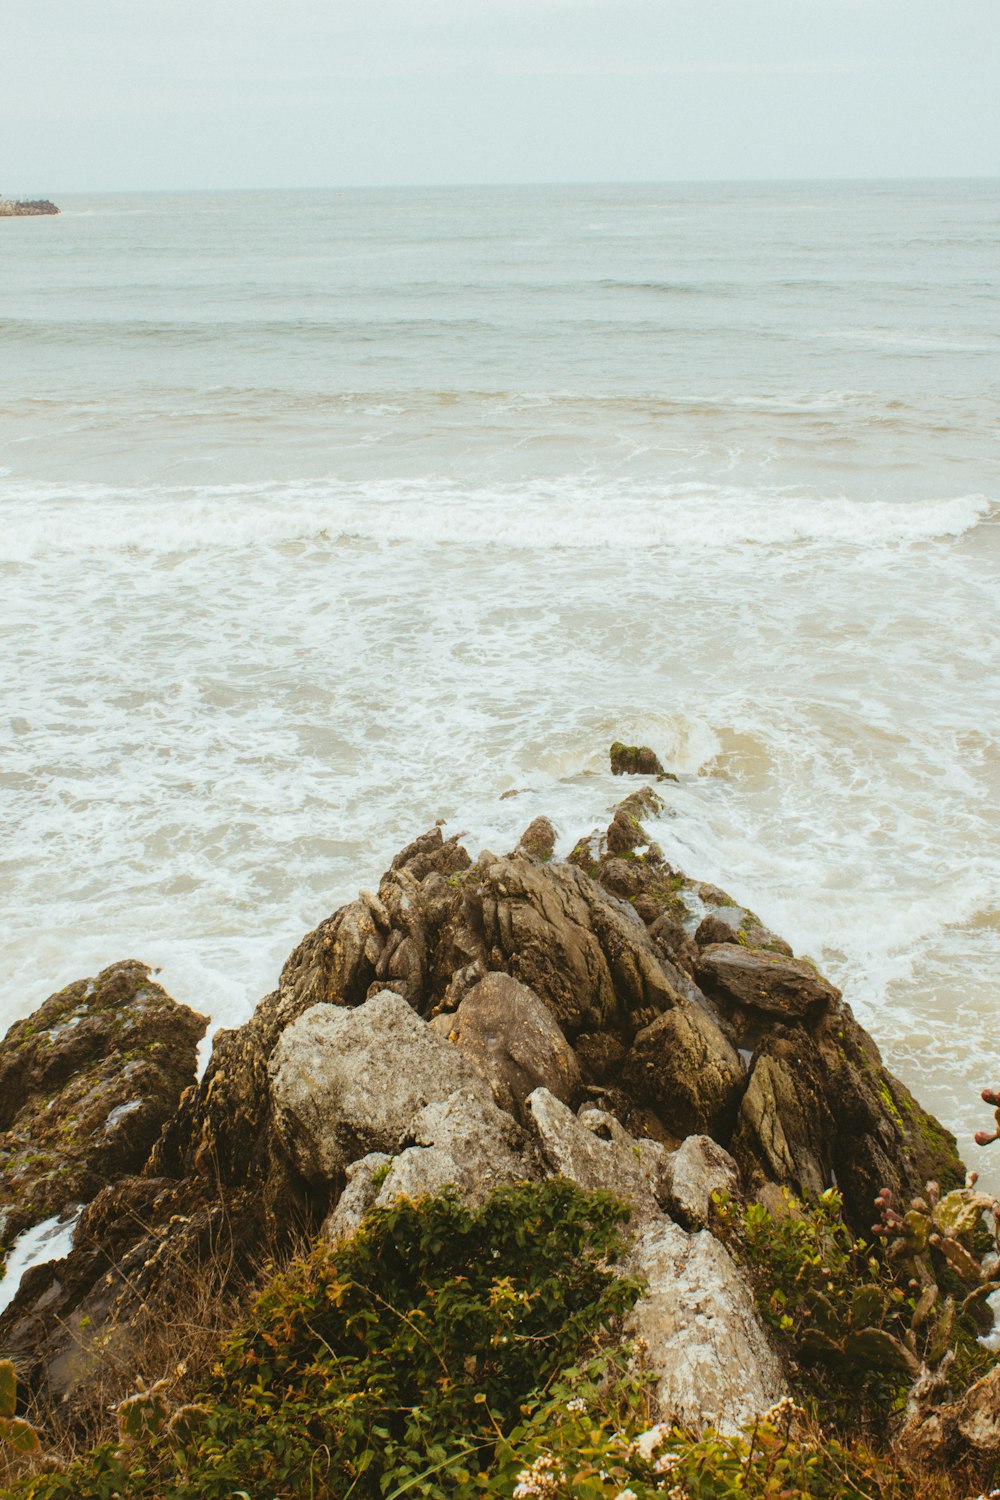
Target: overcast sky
119,94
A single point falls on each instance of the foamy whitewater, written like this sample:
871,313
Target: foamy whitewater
328,515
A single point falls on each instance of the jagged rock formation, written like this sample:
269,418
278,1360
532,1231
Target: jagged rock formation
604,1017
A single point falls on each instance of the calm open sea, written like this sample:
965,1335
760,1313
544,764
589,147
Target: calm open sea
326,515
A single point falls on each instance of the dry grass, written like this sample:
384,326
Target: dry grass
174,1339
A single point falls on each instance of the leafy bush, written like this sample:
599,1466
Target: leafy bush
860,1321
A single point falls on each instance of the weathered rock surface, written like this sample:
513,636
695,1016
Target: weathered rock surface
759,980
345,1083
86,1084
538,840
595,1151
705,1341
635,760
729,923
581,978
684,1068
514,1042
690,1175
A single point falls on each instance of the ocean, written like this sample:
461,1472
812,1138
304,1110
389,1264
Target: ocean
327,515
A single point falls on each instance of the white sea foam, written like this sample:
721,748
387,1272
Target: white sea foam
563,514
50,1240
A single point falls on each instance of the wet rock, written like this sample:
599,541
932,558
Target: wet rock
538,841
690,1175
514,1042
820,1108
706,1346
595,1151
348,1082
685,1070
672,942
735,924
86,1084
635,760
760,980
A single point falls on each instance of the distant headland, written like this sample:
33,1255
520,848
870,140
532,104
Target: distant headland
28,209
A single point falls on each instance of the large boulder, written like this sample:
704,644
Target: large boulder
821,1109
464,1142
348,1082
595,1151
705,1344
86,1085
758,979
690,1176
585,955
514,1042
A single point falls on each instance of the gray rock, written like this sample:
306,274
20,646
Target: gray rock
595,1151
364,1179
345,1083
705,1342
464,1141
760,980
690,1175
514,1042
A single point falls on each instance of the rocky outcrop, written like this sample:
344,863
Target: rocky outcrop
345,1083
604,1017
26,209
86,1085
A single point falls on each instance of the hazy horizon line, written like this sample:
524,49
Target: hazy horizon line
430,186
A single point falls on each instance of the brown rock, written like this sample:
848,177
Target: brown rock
556,931
759,980
684,1069
86,1084
514,1042
820,1108
600,1054
634,760
538,841
735,924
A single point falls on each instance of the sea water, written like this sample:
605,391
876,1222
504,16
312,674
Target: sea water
327,515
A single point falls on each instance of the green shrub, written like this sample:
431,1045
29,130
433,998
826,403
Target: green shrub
391,1364
860,1321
